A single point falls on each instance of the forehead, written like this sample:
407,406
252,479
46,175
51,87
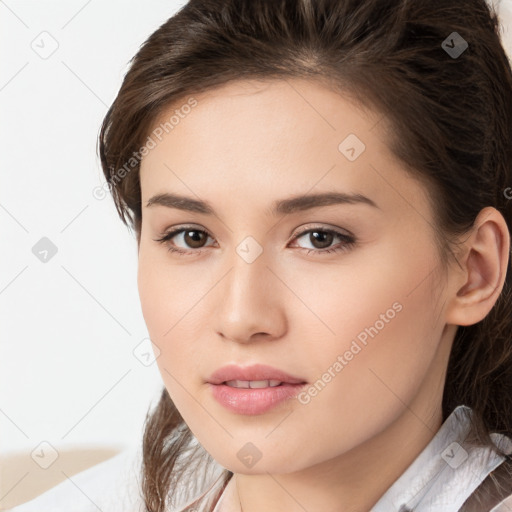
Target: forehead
269,110
260,136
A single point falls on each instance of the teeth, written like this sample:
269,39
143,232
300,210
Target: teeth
253,383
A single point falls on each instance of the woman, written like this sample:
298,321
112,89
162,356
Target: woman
321,197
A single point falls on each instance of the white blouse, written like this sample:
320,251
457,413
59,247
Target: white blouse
440,479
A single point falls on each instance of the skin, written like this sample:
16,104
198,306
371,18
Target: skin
243,146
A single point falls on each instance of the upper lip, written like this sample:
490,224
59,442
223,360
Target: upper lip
252,372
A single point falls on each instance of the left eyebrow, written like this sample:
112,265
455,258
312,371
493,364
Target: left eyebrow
282,206
307,202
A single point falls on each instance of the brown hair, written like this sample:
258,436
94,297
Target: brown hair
450,120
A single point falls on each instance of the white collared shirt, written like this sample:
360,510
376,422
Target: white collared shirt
446,472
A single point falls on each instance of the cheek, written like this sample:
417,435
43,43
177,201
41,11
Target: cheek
166,320
364,291
361,387
381,339
151,292
170,301
165,290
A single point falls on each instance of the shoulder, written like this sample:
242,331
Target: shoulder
110,486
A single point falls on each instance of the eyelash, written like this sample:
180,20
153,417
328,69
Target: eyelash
348,240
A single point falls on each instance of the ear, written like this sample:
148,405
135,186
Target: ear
476,286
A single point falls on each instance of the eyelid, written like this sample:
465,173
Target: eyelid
321,227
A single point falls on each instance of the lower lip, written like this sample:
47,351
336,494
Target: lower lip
253,400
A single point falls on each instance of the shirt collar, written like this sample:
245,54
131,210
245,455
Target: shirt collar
446,472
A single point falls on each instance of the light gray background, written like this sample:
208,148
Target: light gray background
69,326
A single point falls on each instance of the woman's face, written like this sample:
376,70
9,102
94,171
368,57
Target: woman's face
358,316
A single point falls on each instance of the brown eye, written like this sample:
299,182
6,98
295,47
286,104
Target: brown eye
194,238
321,239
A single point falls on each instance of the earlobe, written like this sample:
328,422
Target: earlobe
478,285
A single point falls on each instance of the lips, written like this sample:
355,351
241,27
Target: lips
253,390
256,372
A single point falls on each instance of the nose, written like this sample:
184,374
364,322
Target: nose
250,302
